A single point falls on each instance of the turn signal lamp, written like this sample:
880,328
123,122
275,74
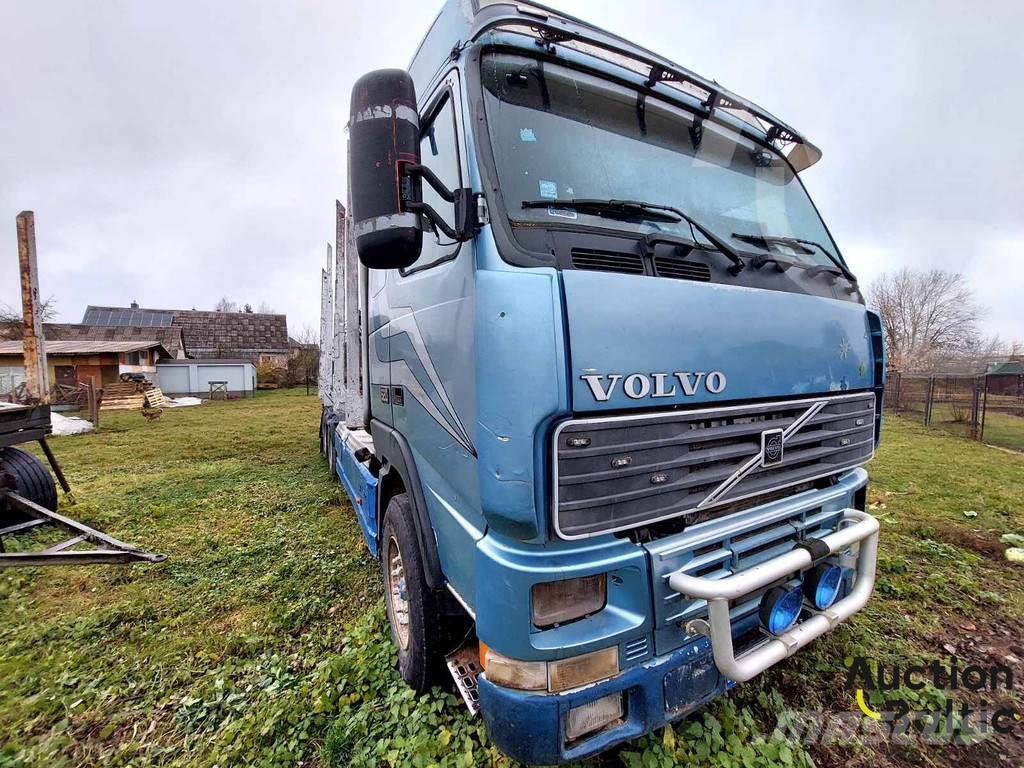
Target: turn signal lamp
780,608
822,585
512,673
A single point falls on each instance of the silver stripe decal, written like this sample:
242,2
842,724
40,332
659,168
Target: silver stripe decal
377,223
757,459
388,112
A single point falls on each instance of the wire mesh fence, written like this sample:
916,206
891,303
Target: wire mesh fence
989,408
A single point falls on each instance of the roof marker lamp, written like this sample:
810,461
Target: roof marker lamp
780,608
822,585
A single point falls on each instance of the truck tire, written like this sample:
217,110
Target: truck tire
30,478
323,434
332,454
412,607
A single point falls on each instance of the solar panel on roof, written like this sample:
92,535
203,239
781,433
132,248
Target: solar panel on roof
128,318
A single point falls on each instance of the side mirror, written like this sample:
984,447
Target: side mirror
384,136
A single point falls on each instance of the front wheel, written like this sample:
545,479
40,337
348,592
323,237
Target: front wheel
412,608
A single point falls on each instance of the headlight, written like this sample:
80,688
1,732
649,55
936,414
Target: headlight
552,676
557,602
565,674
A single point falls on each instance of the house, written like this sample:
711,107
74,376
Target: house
1010,367
254,336
83,360
170,338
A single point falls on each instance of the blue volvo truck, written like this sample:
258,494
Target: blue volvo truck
597,380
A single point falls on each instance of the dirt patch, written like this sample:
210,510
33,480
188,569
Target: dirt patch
981,542
987,644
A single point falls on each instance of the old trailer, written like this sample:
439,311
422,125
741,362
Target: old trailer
28,500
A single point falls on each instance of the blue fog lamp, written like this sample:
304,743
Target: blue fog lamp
780,608
822,585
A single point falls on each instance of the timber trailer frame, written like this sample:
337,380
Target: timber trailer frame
28,499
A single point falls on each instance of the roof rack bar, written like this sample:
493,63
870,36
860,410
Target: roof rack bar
555,27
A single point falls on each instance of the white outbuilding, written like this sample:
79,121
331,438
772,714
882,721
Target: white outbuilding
207,378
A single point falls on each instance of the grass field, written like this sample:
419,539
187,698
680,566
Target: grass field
1002,428
261,640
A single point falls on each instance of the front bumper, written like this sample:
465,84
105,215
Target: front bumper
856,527
530,727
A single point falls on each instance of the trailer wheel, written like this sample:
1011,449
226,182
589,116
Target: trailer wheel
412,608
30,478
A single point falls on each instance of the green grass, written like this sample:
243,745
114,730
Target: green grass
1004,430
262,639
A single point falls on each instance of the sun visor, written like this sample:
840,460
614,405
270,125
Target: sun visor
803,156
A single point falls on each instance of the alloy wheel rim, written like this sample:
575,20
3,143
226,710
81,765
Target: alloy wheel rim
398,593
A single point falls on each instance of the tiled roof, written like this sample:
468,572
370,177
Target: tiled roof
169,338
216,334
84,347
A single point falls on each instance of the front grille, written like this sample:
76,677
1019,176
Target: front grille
619,472
607,261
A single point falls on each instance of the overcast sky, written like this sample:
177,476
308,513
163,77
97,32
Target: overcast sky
178,152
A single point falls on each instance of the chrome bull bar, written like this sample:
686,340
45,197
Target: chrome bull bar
860,528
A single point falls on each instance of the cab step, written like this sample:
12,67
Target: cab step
464,665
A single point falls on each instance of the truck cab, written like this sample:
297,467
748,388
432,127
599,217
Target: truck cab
601,386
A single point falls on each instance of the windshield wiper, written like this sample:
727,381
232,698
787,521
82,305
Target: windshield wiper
798,242
649,211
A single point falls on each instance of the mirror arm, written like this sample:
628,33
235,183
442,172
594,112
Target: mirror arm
436,219
431,178
466,221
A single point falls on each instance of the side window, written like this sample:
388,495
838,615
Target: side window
439,151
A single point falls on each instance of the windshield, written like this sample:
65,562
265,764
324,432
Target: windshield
558,133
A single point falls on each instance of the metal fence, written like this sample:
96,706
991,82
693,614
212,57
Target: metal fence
989,408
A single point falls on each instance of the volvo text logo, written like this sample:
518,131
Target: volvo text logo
771,447
637,386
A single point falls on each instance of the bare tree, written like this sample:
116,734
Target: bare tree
928,316
304,362
12,325
265,309
226,305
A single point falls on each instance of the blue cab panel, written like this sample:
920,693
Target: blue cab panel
361,487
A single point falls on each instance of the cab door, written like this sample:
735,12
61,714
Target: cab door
430,332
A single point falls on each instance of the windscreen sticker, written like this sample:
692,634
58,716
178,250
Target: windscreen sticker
549,189
527,135
563,213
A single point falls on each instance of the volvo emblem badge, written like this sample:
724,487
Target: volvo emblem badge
771,447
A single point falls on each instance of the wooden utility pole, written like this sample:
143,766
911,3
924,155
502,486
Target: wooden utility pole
37,380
